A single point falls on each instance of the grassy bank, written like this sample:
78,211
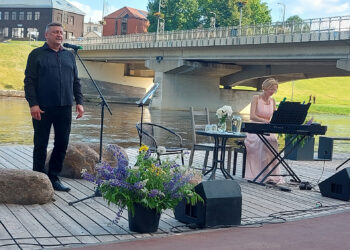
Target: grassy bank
13,58
331,94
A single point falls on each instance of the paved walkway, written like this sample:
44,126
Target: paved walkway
327,232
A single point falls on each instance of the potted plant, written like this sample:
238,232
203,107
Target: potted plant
146,189
305,150
302,152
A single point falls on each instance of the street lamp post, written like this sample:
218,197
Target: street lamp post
284,12
240,7
213,20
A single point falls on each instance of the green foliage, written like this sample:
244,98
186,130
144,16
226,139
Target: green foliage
178,14
192,14
153,185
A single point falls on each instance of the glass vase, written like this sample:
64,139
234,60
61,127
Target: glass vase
222,126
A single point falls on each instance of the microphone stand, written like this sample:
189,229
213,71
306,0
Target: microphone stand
103,103
142,102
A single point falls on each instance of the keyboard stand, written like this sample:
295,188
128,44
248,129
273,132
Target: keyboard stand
280,160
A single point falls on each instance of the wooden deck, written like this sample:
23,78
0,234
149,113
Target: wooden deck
57,224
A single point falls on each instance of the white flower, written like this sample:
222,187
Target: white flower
224,111
84,170
161,150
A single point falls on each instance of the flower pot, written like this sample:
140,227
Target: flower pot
145,220
301,153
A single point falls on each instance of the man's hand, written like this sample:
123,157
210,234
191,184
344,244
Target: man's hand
79,110
36,112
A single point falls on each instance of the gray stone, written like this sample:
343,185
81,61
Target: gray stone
24,187
81,156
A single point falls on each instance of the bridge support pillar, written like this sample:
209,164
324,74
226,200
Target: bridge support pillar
184,84
344,64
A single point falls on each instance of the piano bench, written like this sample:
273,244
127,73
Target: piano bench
241,149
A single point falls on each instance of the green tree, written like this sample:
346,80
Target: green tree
296,24
177,14
191,14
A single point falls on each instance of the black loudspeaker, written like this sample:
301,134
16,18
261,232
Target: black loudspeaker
325,148
222,205
337,186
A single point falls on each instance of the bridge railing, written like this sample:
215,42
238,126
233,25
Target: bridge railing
316,25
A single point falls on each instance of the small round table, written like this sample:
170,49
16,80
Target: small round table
220,136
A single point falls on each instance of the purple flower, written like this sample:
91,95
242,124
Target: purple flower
153,193
139,185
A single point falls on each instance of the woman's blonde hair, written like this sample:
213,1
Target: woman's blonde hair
269,82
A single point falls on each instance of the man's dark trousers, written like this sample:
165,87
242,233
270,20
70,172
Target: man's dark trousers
61,119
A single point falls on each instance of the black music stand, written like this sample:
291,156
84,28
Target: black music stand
290,113
142,102
103,103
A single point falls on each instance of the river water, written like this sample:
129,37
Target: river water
16,126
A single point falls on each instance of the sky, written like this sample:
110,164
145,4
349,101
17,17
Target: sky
306,9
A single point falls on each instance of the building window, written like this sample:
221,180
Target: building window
32,33
71,20
124,29
0,15
36,15
59,17
18,32
14,15
88,29
5,32
6,15
21,15
95,28
29,15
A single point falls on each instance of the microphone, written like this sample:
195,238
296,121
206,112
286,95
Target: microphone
72,46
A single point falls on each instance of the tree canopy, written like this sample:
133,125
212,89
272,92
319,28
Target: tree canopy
192,14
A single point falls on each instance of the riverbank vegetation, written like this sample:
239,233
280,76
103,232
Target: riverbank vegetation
331,93
13,59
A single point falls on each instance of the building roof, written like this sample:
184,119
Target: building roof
41,4
131,12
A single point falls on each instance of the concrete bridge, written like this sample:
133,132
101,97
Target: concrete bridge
191,65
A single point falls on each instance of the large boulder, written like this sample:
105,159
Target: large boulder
81,156
24,187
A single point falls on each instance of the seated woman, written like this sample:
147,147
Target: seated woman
258,155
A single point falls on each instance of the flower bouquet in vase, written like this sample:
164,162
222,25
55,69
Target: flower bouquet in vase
223,113
146,189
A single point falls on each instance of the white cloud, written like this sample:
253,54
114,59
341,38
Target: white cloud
90,14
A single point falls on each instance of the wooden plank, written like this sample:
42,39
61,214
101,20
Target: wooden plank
12,224
49,222
96,203
80,218
104,222
8,244
65,220
3,233
15,153
28,221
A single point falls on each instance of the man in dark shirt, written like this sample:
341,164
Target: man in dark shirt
51,80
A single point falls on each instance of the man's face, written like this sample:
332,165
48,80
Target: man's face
54,36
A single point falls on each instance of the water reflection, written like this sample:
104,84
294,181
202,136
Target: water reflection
16,126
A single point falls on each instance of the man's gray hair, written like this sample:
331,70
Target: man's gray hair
53,24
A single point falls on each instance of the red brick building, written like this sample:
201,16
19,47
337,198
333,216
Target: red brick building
125,21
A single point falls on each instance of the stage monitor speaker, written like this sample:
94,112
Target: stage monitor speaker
337,186
222,205
325,148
